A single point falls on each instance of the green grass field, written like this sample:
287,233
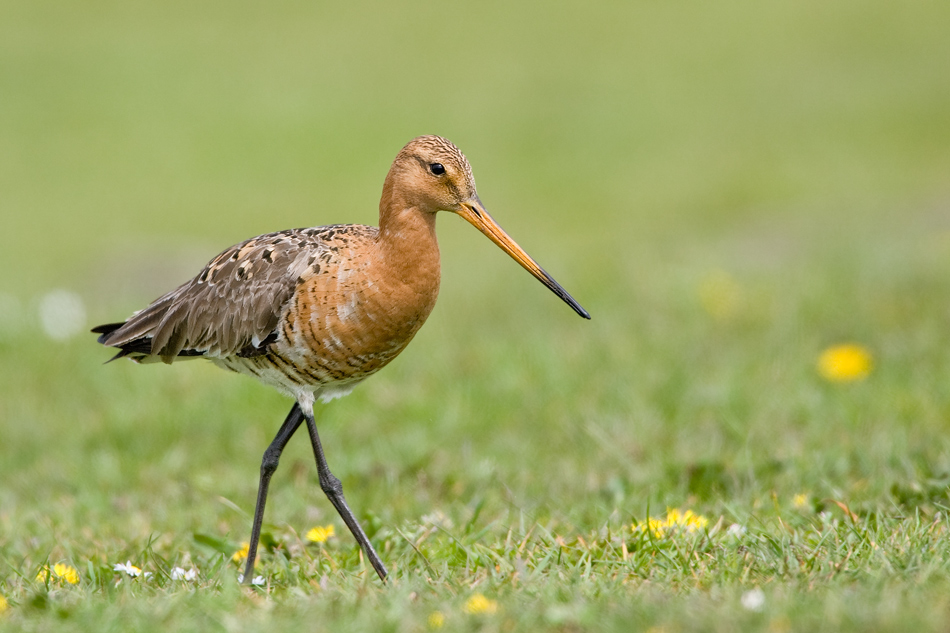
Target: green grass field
729,188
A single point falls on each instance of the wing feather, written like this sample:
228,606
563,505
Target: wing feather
233,306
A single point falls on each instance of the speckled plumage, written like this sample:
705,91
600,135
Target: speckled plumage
315,311
300,310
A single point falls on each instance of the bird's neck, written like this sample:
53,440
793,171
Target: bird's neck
407,243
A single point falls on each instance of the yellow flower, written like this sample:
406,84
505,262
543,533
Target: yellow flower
436,620
720,295
657,526
320,534
241,554
845,363
4,605
478,603
800,500
67,573
60,570
676,520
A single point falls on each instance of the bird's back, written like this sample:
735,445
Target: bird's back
302,310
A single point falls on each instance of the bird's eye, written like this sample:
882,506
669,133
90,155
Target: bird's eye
437,169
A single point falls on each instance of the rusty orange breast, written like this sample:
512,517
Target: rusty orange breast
360,309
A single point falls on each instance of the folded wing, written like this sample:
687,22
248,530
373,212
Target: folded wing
231,308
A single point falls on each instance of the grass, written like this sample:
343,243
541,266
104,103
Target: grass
730,189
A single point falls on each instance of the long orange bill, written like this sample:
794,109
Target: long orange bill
474,212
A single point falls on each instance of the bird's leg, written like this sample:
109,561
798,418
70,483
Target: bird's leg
334,491
268,466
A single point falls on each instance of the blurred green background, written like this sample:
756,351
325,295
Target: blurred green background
727,187
596,132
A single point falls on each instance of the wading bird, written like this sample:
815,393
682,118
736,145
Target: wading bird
313,312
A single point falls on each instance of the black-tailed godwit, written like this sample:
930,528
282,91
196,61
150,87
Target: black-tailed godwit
313,312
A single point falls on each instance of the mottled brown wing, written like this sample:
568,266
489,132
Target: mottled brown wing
232,307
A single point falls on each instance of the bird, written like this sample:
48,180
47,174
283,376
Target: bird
313,312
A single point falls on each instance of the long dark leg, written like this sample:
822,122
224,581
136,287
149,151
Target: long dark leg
268,466
334,491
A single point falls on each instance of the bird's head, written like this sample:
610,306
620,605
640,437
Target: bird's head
431,174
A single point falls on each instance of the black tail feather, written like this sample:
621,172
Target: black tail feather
139,347
105,330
